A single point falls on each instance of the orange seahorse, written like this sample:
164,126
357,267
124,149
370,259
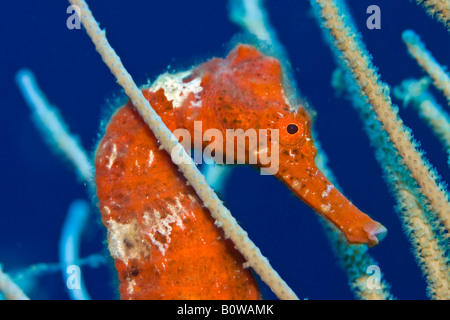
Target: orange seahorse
164,243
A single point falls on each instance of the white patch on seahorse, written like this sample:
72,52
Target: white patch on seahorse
175,89
262,150
295,184
112,156
151,157
196,104
124,240
107,210
293,108
155,223
326,208
327,192
306,193
131,285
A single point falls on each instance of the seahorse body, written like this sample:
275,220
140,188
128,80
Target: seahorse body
164,243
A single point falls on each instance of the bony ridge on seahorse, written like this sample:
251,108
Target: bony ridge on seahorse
153,218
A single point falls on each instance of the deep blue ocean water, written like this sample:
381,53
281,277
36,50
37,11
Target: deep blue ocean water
37,187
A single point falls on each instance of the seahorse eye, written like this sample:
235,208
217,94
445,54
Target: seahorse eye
292,128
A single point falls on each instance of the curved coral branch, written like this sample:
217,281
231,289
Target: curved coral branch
54,129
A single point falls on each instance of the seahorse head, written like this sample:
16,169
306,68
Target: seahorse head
245,92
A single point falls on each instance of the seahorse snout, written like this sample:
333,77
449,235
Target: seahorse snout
313,188
376,232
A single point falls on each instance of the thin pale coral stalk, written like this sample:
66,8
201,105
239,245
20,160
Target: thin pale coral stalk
210,200
428,251
9,289
439,9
